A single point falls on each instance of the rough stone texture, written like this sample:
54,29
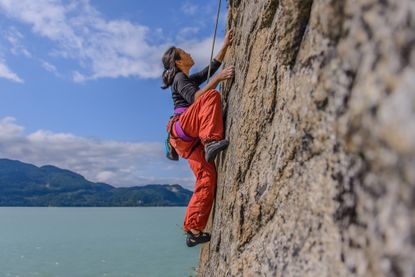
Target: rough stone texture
319,178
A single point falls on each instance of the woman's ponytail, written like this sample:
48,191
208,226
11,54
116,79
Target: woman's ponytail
170,69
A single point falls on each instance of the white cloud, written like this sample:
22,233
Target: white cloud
200,50
8,128
114,162
78,77
104,48
49,67
204,13
189,8
187,32
105,176
14,37
6,73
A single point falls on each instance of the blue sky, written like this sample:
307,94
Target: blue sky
80,83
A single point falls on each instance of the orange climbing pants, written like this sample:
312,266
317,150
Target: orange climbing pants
202,120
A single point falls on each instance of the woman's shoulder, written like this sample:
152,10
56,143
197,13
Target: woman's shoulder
180,77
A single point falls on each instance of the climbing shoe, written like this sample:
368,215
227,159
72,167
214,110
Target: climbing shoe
212,148
195,239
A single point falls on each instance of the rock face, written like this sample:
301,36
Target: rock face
319,177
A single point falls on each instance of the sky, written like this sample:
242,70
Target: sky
80,83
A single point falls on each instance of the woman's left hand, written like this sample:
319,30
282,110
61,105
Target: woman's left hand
228,38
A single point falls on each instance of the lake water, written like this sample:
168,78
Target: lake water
78,242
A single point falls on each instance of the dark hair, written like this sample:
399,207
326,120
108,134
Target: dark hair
170,69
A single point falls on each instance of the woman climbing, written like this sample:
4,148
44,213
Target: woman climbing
196,129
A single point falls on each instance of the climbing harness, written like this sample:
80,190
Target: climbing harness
174,122
178,128
171,153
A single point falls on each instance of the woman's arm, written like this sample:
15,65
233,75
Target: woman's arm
212,84
226,73
226,42
201,76
190,92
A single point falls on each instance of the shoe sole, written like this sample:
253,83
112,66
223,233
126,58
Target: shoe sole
191,244
214,153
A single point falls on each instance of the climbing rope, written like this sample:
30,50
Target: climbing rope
214,38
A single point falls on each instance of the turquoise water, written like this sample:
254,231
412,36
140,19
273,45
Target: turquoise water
94,242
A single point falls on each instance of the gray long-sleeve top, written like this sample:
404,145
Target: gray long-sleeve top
184,88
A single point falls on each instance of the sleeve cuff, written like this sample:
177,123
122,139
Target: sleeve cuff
215,60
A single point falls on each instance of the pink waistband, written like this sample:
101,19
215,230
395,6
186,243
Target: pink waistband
180,110
180,133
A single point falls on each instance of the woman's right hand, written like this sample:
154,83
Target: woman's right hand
226,73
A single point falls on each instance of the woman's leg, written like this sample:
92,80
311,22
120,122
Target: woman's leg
200,205
203,118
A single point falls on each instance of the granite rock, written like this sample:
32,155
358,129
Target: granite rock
319,176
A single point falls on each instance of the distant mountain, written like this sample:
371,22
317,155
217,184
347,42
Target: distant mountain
23,184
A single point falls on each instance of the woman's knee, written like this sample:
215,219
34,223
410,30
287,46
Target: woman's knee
212,93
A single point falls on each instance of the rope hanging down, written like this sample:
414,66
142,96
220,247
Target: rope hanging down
214,38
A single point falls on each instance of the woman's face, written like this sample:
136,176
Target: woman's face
186,60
